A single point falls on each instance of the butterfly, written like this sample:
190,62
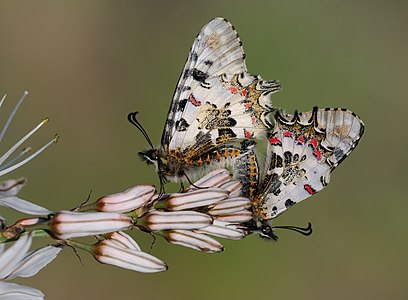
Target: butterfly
302,151
218,108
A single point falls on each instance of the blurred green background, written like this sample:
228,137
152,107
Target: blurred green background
87,64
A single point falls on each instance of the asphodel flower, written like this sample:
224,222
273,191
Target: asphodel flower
67,224
131,199
224,230
6,165
118,250
194,240
161,220
17,262
229,206
192,199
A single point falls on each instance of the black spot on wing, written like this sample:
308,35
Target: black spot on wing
208,63
199,76
338,153
276,161
170,123
225,133
274,211
289,203
186,73
227,122
182,105
182,125
276,183
193,56
288,157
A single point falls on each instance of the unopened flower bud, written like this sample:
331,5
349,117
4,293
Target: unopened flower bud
233,187
236,217
109,252
229,206
224,230
11,187
67,224
197,241
156,220
193,199
123,240
128,200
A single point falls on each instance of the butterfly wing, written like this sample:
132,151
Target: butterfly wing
304,149
215,96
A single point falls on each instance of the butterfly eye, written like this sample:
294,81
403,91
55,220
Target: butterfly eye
267,233
266,230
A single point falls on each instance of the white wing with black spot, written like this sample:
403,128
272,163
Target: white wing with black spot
215,94
303,151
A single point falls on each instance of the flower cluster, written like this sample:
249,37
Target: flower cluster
212,206
16,261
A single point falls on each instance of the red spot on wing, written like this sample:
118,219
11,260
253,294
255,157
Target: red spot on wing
317,153
248,134
244,92
313,142
194,101
309,189
287,134
248,105
253,120
275,141
301,139
233,90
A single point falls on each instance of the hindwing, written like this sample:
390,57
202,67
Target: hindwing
303,150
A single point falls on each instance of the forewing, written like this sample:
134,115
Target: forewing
215,93
304,150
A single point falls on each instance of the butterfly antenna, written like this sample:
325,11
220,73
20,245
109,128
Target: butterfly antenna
132,119
304,231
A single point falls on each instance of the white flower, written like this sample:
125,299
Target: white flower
120,250
16,162
156,220
194,240
224,230
192,199
16,262
240,216
212,179
230,205
67,224
131,199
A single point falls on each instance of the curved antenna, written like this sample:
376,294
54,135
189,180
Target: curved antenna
304,231
132,119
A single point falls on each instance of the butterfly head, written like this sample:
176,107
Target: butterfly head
152,156
266,230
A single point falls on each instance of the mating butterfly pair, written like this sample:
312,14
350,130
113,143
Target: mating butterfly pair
219,113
